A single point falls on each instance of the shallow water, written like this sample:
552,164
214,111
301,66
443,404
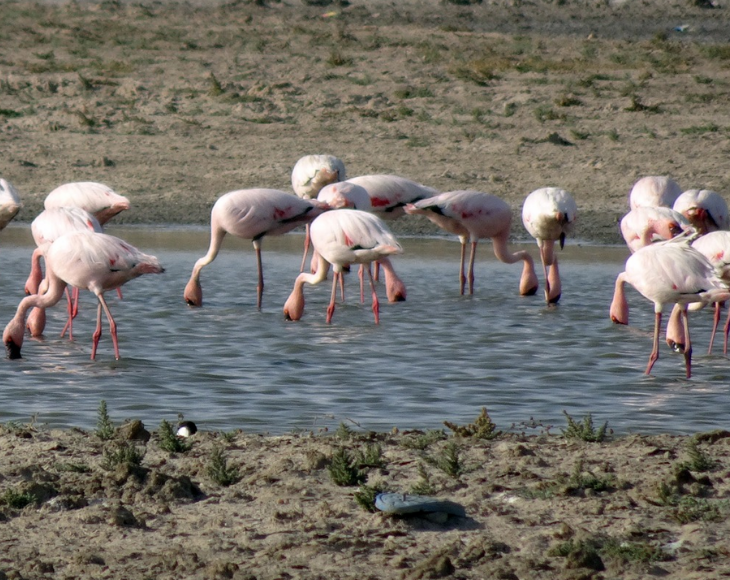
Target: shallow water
439,356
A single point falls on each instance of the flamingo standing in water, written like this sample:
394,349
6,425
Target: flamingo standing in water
654,191
50,225
706,210
473,215
645,225
389,194
251,214
9,203
341,237
310,174
98,199
89,260
670,272
549,214
345,194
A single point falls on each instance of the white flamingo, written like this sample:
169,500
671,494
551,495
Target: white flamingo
549,214
96,198
706,210
645,225
9,203
653,191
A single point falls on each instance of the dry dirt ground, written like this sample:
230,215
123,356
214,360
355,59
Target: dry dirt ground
173,104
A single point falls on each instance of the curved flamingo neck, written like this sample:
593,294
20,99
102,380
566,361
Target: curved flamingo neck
619,311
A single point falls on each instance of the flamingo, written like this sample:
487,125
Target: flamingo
715,246
645,225
96,198
48,226
653,191
549,214
251,214
341,237
350,195
84,259
706,210
9,203
390,193
310,174
473,215
671,272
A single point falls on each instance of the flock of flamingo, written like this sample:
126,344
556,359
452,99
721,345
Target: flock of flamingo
679,242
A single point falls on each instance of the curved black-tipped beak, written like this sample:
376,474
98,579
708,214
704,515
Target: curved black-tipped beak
13,350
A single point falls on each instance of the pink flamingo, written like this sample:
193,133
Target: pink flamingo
250,214
89,260
341,237
549,214
345,194
670,272
47,227
390,193
645,225
310,174
96,198
706,210
9,203
473,215
653,191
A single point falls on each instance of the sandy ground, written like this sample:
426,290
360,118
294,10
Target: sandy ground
174,104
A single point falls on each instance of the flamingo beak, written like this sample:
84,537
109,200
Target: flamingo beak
13,350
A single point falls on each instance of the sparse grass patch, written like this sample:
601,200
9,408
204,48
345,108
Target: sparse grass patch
17,500
700,129
336,59
581,480
698,459
169,441
482,428
366,494
121,453
448,461
343,469
545,113
584,430
423,440
568,101
423,486
218,469
637,106
72,467
716,51
413,93
104,425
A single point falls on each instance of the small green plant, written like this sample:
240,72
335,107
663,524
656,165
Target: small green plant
122,453
449,460
169,441
371,456
581,480
421,441
343,432
366,494
613,135
694,509
568,101
482,428
16,500
343,469
584,430
215,88
219,470
336,58
72,467
104,425
423,486
637,106
698,459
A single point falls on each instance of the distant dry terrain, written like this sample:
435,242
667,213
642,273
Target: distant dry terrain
173,104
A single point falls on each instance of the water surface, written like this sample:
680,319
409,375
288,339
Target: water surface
438,356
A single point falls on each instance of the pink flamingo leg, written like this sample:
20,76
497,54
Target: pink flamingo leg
112,328
70,322
472,257
97,333
376,304
331,306
727,331
119,293
377,272
462,277
545,272
715,324
306,247
361,275
688,342
260,287
654,356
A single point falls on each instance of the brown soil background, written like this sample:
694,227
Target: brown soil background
173,104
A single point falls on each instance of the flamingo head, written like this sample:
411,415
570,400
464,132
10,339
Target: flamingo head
13,339
193,294
294,305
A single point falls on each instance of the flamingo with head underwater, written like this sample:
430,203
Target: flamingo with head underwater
549,214
9,203
474,215
654,191
98,199
341,237
89,260
706,210
671,272
251,214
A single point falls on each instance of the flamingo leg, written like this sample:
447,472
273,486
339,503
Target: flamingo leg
260,287
688,342
377,272
361,275
306,247
545,272
376,304
70,322
119,293
331,307
727,330
97,333
462,277
472,257
715,324
342,288
75,294
655,351
112,325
